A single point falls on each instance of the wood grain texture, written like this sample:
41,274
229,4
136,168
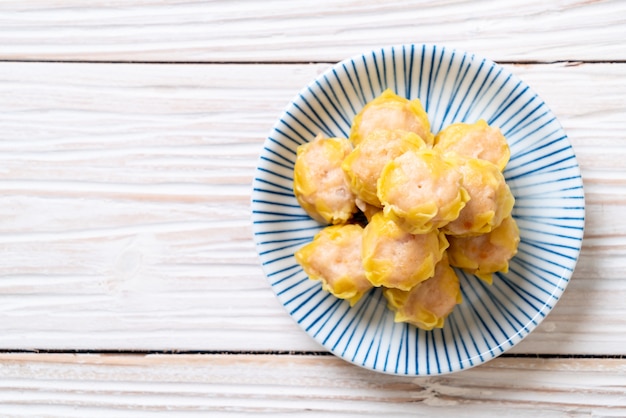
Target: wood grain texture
320,30
195,385
126,217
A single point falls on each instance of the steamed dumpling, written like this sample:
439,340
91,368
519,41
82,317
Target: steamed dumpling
390,111
486,254
490,200
475,140
365,163
334,258
319,184
422,190
428,304
395,258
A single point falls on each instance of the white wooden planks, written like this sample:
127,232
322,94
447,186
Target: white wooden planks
126,189
66,385
320,30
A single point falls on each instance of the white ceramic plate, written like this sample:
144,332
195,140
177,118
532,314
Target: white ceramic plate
543,175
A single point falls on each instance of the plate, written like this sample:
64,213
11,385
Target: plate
543,174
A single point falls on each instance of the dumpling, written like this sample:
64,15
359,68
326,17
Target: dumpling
490,200
486,254
365,163
319,184
334,258
422,190
390,111
477,140
395,258
428,304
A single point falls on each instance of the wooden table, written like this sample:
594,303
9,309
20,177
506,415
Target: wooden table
129,281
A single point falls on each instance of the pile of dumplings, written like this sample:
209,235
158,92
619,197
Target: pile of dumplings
403,207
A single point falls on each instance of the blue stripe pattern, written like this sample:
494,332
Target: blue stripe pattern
543,175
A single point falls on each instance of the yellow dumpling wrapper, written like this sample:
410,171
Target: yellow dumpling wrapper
365,163
475,140
395,258
490,200
422,190
428,304
319,183
334,258
390,111
368,210
486,254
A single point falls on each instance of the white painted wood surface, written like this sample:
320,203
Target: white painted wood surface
125,213
126,193
320,30
321,386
